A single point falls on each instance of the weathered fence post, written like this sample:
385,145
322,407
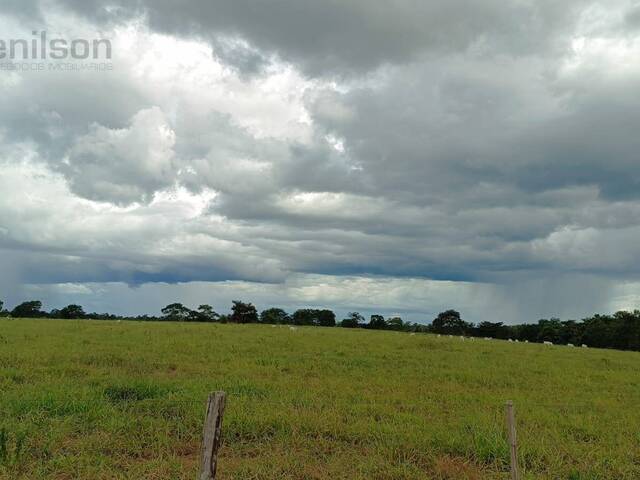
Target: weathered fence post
212,435
513,440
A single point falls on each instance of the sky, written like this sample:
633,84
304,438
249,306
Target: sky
398,157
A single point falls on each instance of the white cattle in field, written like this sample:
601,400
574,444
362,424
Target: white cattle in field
584,346
548,343
570,345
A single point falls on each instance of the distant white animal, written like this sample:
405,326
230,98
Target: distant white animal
526,341
273,326
510,340
548,343
570,345
450,336
487,338
584,346
517,341
411,334
293,329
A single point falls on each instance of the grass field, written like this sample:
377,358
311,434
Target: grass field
106,400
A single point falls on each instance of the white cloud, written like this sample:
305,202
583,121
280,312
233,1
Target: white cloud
124,165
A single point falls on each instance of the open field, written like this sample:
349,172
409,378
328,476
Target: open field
106,400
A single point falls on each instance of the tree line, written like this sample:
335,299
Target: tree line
619,331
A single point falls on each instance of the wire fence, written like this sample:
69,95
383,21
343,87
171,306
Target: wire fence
487,424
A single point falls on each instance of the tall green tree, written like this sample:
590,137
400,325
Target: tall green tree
492,330
30,309
353,320
72,312
305,316
176,312
206,313
275,316
550,330
395,323
314,317
243,312
377,322
450,323
326,318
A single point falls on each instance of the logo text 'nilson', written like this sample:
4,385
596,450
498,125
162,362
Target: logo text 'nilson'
43,48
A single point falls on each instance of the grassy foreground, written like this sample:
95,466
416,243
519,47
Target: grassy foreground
106,400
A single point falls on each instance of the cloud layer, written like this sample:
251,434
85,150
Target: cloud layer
490,146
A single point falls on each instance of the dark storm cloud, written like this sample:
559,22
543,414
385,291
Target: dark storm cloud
26,10
340,37
446,127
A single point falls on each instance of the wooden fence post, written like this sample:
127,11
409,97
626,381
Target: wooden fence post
211,436
513,440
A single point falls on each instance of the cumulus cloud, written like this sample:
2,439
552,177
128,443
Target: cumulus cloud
123,165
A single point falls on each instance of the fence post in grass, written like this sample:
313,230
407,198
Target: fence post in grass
513,440
212,435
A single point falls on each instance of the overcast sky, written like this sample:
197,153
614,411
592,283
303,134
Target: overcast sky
400,157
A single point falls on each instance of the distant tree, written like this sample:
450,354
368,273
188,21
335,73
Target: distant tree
395,323
206,313
550,330
627,330
450,323
243,313
275,316
377,322
599,331
527,332
314,317
326,318
492,330
305,316
620,330
176,312
31,309
571,332
71,312
415,327
353,320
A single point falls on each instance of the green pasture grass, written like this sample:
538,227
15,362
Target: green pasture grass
107,400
